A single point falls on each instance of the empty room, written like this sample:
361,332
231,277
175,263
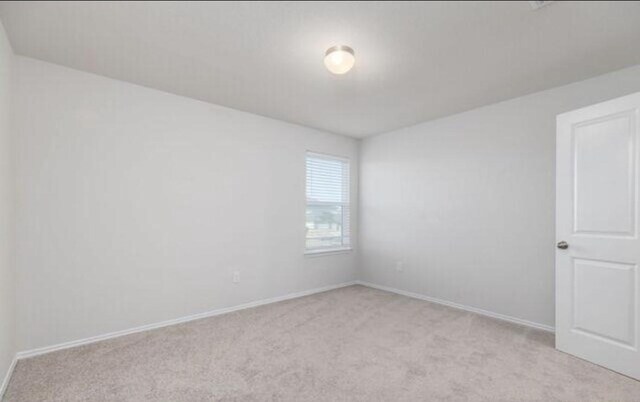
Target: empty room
320,201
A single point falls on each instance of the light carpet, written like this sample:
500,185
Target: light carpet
349,344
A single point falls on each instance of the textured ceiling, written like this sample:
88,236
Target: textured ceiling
415,61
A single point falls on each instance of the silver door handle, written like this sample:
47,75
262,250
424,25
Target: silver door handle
563,245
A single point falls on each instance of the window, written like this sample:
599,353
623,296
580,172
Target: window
328,209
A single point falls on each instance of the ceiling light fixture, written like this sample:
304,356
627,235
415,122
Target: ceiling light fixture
535,5
339,59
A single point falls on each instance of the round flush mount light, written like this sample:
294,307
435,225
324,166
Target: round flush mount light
339,59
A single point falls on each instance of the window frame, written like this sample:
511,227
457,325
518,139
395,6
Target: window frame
314,252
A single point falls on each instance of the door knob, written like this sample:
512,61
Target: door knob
563,245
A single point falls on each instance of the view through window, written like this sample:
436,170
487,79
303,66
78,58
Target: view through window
327,221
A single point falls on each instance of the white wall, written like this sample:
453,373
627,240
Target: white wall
467,202
7,282
135,206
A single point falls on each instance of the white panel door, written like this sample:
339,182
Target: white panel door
598,251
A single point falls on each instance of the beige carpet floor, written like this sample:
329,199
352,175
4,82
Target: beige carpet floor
353,343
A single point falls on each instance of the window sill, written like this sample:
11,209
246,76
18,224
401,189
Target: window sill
328,251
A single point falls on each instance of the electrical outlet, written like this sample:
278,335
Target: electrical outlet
399,266
236,276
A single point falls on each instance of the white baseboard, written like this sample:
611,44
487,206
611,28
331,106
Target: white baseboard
499,316
7,377
66,345
98,338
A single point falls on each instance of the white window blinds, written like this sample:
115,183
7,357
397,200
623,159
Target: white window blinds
328,209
